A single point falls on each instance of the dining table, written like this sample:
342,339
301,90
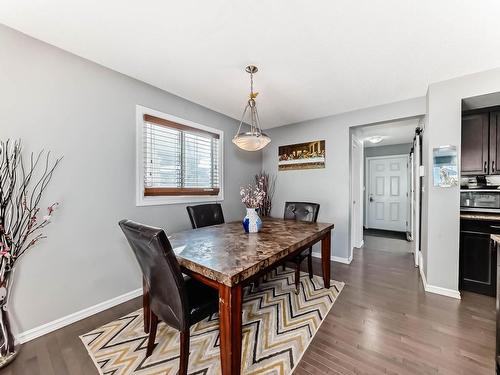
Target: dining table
226,258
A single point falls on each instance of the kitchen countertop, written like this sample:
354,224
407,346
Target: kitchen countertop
479,216
495,237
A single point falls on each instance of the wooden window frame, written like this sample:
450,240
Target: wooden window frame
158,196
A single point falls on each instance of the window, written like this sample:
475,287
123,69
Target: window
179,161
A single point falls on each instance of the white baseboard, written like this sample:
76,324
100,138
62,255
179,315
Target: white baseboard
443,291
421,266
72,318
432,288
360,245
334,258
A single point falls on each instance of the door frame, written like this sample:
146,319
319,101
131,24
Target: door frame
357,196
411,203
417,161
367,182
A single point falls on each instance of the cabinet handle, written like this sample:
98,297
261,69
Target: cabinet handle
493,166
485,166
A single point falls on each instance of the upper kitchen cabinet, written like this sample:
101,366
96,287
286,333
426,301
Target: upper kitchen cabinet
495,142
475,144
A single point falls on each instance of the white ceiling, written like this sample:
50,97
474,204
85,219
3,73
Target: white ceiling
315,58
392,133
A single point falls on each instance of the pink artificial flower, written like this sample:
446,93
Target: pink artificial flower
51,208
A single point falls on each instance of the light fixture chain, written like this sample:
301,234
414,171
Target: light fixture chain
251,85
242,118
255,139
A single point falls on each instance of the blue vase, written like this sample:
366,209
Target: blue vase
252,222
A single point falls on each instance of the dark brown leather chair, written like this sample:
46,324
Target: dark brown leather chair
204,215
176,299
308,212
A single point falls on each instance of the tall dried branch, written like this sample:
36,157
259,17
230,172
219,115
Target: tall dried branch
22,186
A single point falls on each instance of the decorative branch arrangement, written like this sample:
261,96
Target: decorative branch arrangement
268,186
253,196
21,221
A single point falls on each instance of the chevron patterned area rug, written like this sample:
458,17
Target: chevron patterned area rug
278,326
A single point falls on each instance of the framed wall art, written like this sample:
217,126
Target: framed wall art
308,155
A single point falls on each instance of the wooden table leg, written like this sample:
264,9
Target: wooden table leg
230,306
325,258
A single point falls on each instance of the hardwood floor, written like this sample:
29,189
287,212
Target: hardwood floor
383,322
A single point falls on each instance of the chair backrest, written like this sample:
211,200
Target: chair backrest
161,271
301,211
204,215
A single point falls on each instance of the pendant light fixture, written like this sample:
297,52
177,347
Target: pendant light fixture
254,139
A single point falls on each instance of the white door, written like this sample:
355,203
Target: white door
388,193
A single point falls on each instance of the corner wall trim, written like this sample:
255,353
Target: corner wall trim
443,291
334,258
33,333
436,289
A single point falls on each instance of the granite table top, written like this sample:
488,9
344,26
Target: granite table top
228,255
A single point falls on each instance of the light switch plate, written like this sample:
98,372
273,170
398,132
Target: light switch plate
421,171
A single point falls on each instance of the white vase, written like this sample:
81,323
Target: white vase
252,222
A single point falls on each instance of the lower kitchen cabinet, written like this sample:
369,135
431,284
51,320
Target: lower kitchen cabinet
478,257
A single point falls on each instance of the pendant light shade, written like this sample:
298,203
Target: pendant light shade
250,141
254,139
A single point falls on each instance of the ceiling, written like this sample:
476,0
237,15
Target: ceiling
315,58
392,133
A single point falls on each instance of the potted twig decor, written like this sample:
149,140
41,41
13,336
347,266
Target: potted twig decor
268,184
21,222
252,197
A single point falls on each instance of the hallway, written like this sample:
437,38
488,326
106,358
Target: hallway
383,243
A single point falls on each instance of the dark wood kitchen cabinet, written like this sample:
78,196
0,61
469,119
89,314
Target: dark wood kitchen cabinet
475,144
478,258
494,142
481,142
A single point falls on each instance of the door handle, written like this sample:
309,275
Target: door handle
493,166
485,166
371,199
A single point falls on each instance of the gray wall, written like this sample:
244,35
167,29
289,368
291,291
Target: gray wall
57,101
328,186
399,149
441,206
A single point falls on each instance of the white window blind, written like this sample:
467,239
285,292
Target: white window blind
179,159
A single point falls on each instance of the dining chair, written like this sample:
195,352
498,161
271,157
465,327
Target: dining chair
204,215
307,212
201,215
177,300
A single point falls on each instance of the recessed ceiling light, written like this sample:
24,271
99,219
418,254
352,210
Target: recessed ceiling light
375,139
